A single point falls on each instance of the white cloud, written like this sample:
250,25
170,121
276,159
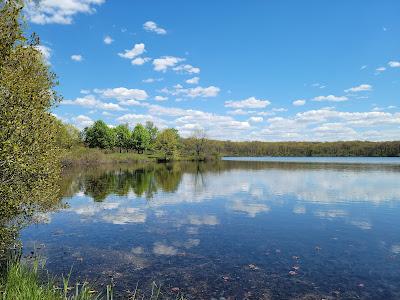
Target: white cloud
122,93
185,120
108,40
133,119
151,80
194,80
140,61
88,100
318,85
256,119
394,64
153,27
265,113
237,112
377,108
160,98
360,88
331,98
281,109
76,57
187,69
46,52
163,63
137,50
380,69
330,125
82,121
58,11
299,102
199,91
92,102
251,102
203,92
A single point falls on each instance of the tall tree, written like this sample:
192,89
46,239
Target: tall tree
122,137
199,139
68,135
153,131
140,138
99,135
168,143
29,156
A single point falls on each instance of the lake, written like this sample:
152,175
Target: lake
230,229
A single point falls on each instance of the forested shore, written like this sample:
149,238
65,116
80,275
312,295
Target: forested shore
345,148
101,143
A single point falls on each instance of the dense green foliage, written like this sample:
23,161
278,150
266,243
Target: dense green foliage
29,152
254,148
168,142
140,138
153,132
68,136
122,137
99,135
143,138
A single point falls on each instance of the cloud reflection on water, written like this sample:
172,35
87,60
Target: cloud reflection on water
245,190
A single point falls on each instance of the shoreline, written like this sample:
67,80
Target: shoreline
90,156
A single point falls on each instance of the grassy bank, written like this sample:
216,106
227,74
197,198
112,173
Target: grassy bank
87,156
83,156
23,281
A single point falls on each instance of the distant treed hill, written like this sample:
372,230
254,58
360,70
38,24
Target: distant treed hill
255,148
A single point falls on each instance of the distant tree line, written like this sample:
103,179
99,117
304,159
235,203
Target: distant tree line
256,148
167,144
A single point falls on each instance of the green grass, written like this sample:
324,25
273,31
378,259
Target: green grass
88,156
83,156
23,281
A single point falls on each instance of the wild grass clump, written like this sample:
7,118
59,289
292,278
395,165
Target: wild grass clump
24,281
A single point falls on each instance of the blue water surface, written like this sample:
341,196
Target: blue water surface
231,229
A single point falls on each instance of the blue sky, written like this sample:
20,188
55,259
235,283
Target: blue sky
241,70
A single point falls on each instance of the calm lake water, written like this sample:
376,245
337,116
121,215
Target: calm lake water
230,229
